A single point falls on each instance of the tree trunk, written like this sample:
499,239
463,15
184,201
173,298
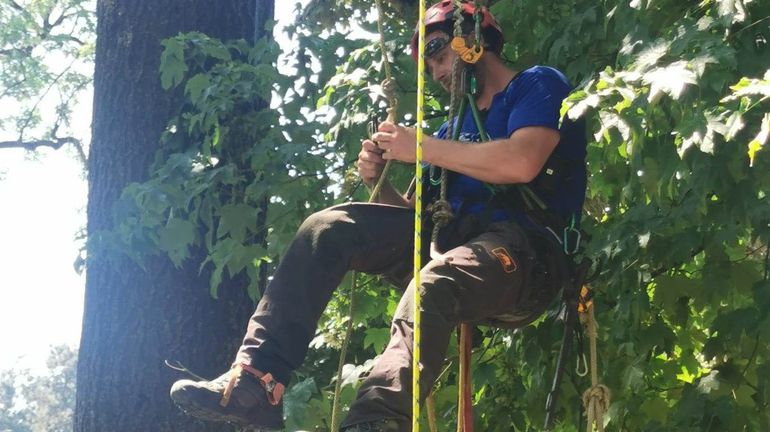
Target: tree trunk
135,318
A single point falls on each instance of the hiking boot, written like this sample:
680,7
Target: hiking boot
244,396
386,425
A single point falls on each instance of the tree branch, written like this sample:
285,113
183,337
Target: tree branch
55,144
15,5
659,271
23,11
26,51
68,37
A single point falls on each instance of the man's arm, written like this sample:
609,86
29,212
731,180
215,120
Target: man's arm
516,159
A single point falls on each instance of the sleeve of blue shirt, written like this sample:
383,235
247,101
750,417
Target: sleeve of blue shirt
535,98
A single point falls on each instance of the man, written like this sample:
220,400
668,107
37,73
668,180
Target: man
498,261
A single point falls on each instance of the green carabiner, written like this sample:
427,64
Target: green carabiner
571,238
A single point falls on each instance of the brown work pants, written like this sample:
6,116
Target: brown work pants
500,273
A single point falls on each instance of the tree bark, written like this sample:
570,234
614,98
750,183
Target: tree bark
134,317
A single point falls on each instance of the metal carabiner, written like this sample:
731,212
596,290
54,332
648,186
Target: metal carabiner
581,372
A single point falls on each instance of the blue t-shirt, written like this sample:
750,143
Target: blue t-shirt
533,98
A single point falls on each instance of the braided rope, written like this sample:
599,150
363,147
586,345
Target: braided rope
417,299
442,209
389,89
596,400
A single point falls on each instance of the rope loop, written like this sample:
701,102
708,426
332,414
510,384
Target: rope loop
389,90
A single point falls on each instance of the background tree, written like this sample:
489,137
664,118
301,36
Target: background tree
140,312
46,60
40,402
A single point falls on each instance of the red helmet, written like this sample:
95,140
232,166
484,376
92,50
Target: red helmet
443,11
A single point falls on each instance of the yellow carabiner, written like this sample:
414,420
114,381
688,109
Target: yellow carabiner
466,53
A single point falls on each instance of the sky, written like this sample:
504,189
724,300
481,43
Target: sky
42,207
42,210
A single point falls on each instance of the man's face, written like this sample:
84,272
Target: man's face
439,57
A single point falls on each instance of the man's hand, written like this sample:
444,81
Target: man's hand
370,163
397,142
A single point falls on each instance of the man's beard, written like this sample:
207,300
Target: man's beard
447,83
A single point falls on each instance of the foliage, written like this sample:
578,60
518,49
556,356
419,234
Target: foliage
46,57
40,402
676,96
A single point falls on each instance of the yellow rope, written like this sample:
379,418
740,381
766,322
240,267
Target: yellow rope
418,220
596,399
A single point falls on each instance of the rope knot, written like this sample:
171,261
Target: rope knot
596,401
442,213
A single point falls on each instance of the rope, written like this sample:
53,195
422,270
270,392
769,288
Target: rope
596,399
442,216
464,405
343,353
388,85
442,209
417,351
389,89
431,406
178,366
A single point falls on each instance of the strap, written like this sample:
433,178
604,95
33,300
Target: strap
570,293
273,389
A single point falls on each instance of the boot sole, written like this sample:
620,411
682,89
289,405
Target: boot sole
207,415
201,409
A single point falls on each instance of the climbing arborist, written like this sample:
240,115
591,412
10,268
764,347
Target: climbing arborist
499,260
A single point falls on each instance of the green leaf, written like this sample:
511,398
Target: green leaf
196,85
709,383
235,220
377,338
172,63
671,79
175,239
296,399
756,144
